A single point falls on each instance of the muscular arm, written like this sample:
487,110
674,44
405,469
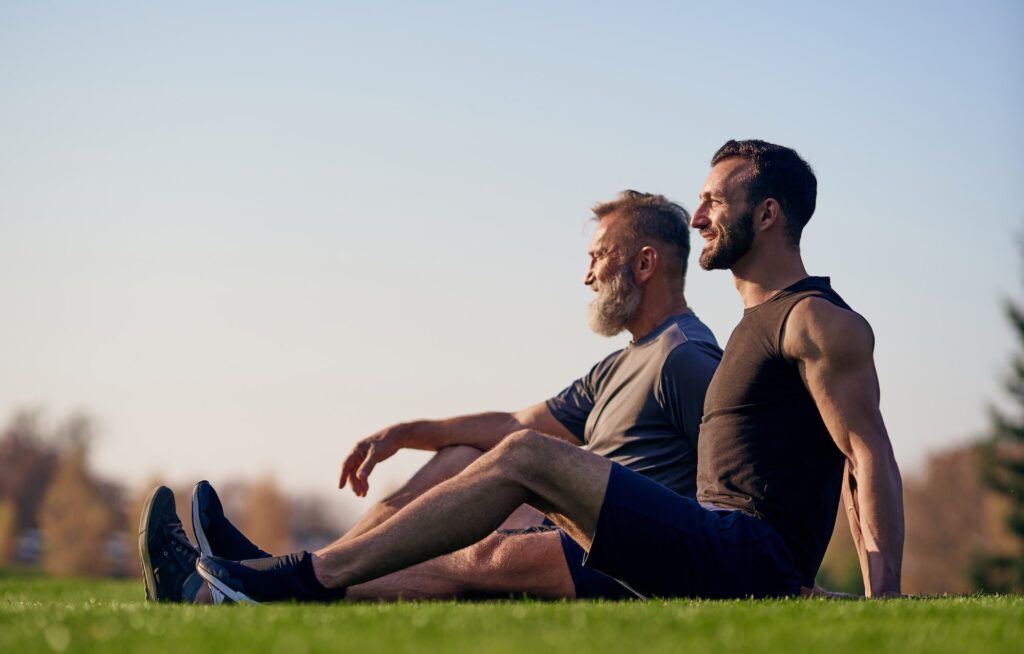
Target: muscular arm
833,349
482,431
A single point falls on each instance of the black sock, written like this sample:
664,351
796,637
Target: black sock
308,575
294,571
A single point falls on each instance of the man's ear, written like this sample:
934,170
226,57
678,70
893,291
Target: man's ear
645,263
768,214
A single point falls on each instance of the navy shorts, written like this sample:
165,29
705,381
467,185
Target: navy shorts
660,543
589,584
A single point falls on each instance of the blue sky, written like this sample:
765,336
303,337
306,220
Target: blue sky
244,235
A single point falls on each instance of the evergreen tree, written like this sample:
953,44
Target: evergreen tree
1002,463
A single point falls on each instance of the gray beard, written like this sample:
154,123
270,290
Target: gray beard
616,303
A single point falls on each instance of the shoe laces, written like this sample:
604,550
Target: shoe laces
178,542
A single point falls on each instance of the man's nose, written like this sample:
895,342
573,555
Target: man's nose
588,278
700,218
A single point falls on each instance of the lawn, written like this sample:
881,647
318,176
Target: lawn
74,615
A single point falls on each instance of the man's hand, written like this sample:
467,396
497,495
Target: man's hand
366,454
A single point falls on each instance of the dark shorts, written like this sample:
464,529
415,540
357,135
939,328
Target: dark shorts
659,543
589,584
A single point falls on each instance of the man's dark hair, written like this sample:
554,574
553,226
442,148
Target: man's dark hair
651,217
778,173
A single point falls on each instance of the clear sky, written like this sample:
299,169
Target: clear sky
244,235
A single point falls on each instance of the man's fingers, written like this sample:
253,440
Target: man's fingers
351,463
358,485
346,471
359,464
343,475
368,463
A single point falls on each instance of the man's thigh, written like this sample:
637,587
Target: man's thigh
663,544
565,482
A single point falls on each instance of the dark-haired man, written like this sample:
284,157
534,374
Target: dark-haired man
793,405
796,398
640,407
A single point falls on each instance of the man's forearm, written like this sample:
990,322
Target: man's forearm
482,431
879,505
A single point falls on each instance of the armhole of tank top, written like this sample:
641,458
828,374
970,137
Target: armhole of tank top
785,321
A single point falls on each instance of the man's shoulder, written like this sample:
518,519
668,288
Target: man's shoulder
819,328
685,342
689,336
690,350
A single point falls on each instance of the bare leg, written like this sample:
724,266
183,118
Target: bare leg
564,481
444,465
501,564
447,578
447,463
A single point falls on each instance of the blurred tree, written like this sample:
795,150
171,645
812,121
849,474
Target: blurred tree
950,516
27,461
266,517
8,530
75,519
313,523
1002,465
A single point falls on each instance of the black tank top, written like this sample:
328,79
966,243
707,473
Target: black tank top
763,446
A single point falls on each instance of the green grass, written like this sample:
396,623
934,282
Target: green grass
74,615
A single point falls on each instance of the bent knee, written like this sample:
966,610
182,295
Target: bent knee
526,450
524,442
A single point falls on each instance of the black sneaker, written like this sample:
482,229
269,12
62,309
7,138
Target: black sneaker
276,579
168,558
214,532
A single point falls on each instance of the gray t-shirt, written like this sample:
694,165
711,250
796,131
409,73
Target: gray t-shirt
642,405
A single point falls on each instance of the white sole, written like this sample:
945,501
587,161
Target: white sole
216,585
204,545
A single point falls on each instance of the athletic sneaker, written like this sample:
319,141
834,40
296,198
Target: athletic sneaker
214,532
168,558
278,578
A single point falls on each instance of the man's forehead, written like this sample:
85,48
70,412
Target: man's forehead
727,173
607,229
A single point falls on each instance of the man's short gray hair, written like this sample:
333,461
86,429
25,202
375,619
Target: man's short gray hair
651,217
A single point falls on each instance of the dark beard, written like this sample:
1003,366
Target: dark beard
730,245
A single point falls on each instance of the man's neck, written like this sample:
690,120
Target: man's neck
760,276
648,317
